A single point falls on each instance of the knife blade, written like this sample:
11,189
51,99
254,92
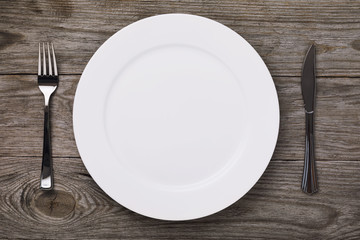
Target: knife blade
308,80
308,89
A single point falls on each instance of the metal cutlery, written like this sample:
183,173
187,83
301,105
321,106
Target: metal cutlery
48,80
308,88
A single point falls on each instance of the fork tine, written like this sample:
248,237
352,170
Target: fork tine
39,66
44,60
50,67
54,58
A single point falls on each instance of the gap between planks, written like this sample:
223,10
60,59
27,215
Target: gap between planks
274,76
274,160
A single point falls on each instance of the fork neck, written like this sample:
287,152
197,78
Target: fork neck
47,100
47,92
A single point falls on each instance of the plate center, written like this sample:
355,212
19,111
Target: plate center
175,115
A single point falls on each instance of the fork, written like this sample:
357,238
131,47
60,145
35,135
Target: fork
48,81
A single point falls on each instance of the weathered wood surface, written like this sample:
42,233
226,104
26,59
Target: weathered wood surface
274,208
280,31
337,118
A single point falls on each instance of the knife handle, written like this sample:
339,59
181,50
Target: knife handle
309,181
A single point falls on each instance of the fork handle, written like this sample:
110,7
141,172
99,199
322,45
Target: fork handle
47,177
309,181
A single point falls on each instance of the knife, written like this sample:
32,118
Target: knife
308,88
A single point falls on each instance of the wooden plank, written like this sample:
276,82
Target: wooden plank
22,117
337,119
336,131
281,31
79,209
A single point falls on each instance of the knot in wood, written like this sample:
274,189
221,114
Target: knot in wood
55,203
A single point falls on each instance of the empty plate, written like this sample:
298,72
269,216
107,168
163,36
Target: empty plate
176,117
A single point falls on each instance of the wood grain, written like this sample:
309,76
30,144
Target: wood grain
77,208
275,208
336,131
280,31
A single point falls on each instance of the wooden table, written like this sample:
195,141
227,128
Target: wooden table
281,32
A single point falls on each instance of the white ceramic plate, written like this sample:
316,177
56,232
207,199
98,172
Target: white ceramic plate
176,117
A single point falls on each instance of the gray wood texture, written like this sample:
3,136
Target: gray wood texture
281,32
